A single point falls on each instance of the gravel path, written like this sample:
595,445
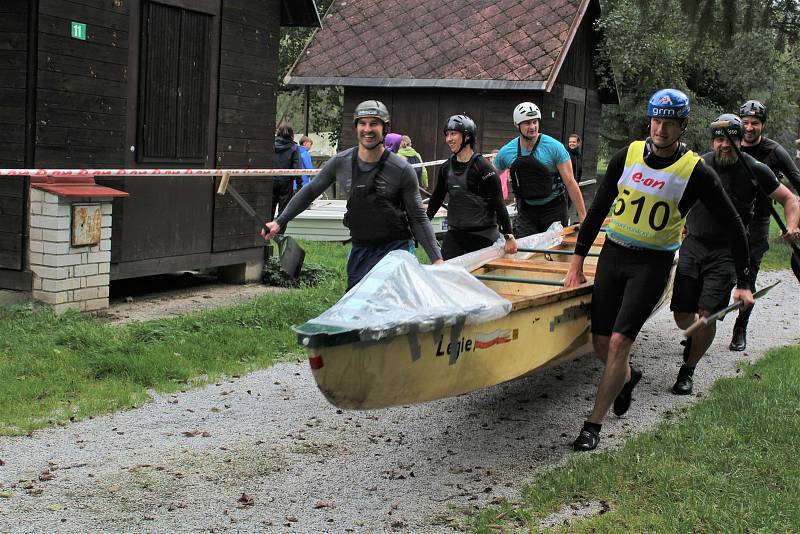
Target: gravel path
266,453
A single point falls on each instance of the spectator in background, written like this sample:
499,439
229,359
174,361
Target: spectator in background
575,149
305,158
287,156
412,156
392,142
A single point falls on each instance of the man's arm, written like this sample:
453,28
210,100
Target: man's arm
303,198
791,211
573,189
788,168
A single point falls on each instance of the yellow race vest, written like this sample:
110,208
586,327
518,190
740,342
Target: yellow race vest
645,213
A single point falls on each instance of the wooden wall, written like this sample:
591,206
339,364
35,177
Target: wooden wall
82,85
13,73
246,125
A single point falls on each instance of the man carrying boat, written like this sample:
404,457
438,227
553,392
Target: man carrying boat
706,273
383,201
651,184
540,170
476,197
754,118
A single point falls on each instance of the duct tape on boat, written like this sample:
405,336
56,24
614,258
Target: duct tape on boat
570,314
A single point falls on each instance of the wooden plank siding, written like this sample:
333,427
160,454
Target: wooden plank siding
13,222
248,75
82,85
13,86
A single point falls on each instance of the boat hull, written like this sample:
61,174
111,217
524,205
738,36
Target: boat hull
426,366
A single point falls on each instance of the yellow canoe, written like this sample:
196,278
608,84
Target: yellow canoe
548,324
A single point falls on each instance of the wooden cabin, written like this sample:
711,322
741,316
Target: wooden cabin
429,60
144,84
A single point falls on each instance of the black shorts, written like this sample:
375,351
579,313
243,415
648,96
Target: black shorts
458,242
627,287
536,219
705,277
364,257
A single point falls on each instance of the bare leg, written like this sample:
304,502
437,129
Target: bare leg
701,340
615,374
601,347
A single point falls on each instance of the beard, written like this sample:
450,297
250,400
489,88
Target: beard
725,160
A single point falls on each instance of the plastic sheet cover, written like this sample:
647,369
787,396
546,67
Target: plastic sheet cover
547,239
399,295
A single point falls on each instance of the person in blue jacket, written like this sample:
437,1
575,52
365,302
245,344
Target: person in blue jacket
304,148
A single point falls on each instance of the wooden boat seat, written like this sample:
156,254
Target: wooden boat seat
573,239
541,266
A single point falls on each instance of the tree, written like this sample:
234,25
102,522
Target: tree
720,52
325,113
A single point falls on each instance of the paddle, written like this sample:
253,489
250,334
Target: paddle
795,260
290,254
703,321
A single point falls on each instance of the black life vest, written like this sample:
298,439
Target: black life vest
371,217
530,179
467,209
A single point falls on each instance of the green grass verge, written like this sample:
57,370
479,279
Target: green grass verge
729,465
779,253
59,368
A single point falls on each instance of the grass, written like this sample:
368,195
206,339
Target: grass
779,253
59,368
729,465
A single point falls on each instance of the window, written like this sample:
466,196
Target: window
174,84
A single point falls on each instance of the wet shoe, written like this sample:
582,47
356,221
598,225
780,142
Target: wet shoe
683,384
587,440
623,400
739,339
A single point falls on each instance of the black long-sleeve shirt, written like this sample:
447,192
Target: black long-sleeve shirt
485,176
703,185
778,159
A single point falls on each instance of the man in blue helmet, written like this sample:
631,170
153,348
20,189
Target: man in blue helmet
651,184
754,119
706,273
541,172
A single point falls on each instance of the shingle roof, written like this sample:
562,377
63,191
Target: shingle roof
509,44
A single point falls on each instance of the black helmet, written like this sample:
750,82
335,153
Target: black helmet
753,108
372,108
735,128
463,124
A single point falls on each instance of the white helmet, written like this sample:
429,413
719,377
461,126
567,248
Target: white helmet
525,112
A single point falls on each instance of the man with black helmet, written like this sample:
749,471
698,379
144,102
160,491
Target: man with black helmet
754,118
706,272
651,184
476,196
540,171
383,206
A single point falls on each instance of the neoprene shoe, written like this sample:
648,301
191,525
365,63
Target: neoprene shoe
587,440
683,384
623,400
739,339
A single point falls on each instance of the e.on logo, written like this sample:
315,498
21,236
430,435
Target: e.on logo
648,182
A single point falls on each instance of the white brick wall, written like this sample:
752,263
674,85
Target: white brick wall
67,277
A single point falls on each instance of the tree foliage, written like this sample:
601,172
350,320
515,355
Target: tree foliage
720,52
325,110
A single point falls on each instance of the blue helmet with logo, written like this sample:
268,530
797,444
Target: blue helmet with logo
668,104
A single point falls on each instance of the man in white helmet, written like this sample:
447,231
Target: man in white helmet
540,170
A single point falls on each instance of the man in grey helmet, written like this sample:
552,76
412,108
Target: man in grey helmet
384,206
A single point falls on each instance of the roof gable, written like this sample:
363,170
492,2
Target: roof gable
491,44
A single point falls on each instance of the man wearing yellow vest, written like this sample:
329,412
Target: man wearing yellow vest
651,184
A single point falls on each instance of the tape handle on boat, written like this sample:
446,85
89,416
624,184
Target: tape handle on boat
703,321
554,251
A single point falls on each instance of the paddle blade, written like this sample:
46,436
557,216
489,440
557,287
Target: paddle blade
291,255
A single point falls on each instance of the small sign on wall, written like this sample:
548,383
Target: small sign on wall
77,30
86,224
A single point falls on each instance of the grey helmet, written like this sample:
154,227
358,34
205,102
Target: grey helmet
372,108
735,127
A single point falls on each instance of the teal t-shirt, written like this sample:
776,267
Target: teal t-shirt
549,151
